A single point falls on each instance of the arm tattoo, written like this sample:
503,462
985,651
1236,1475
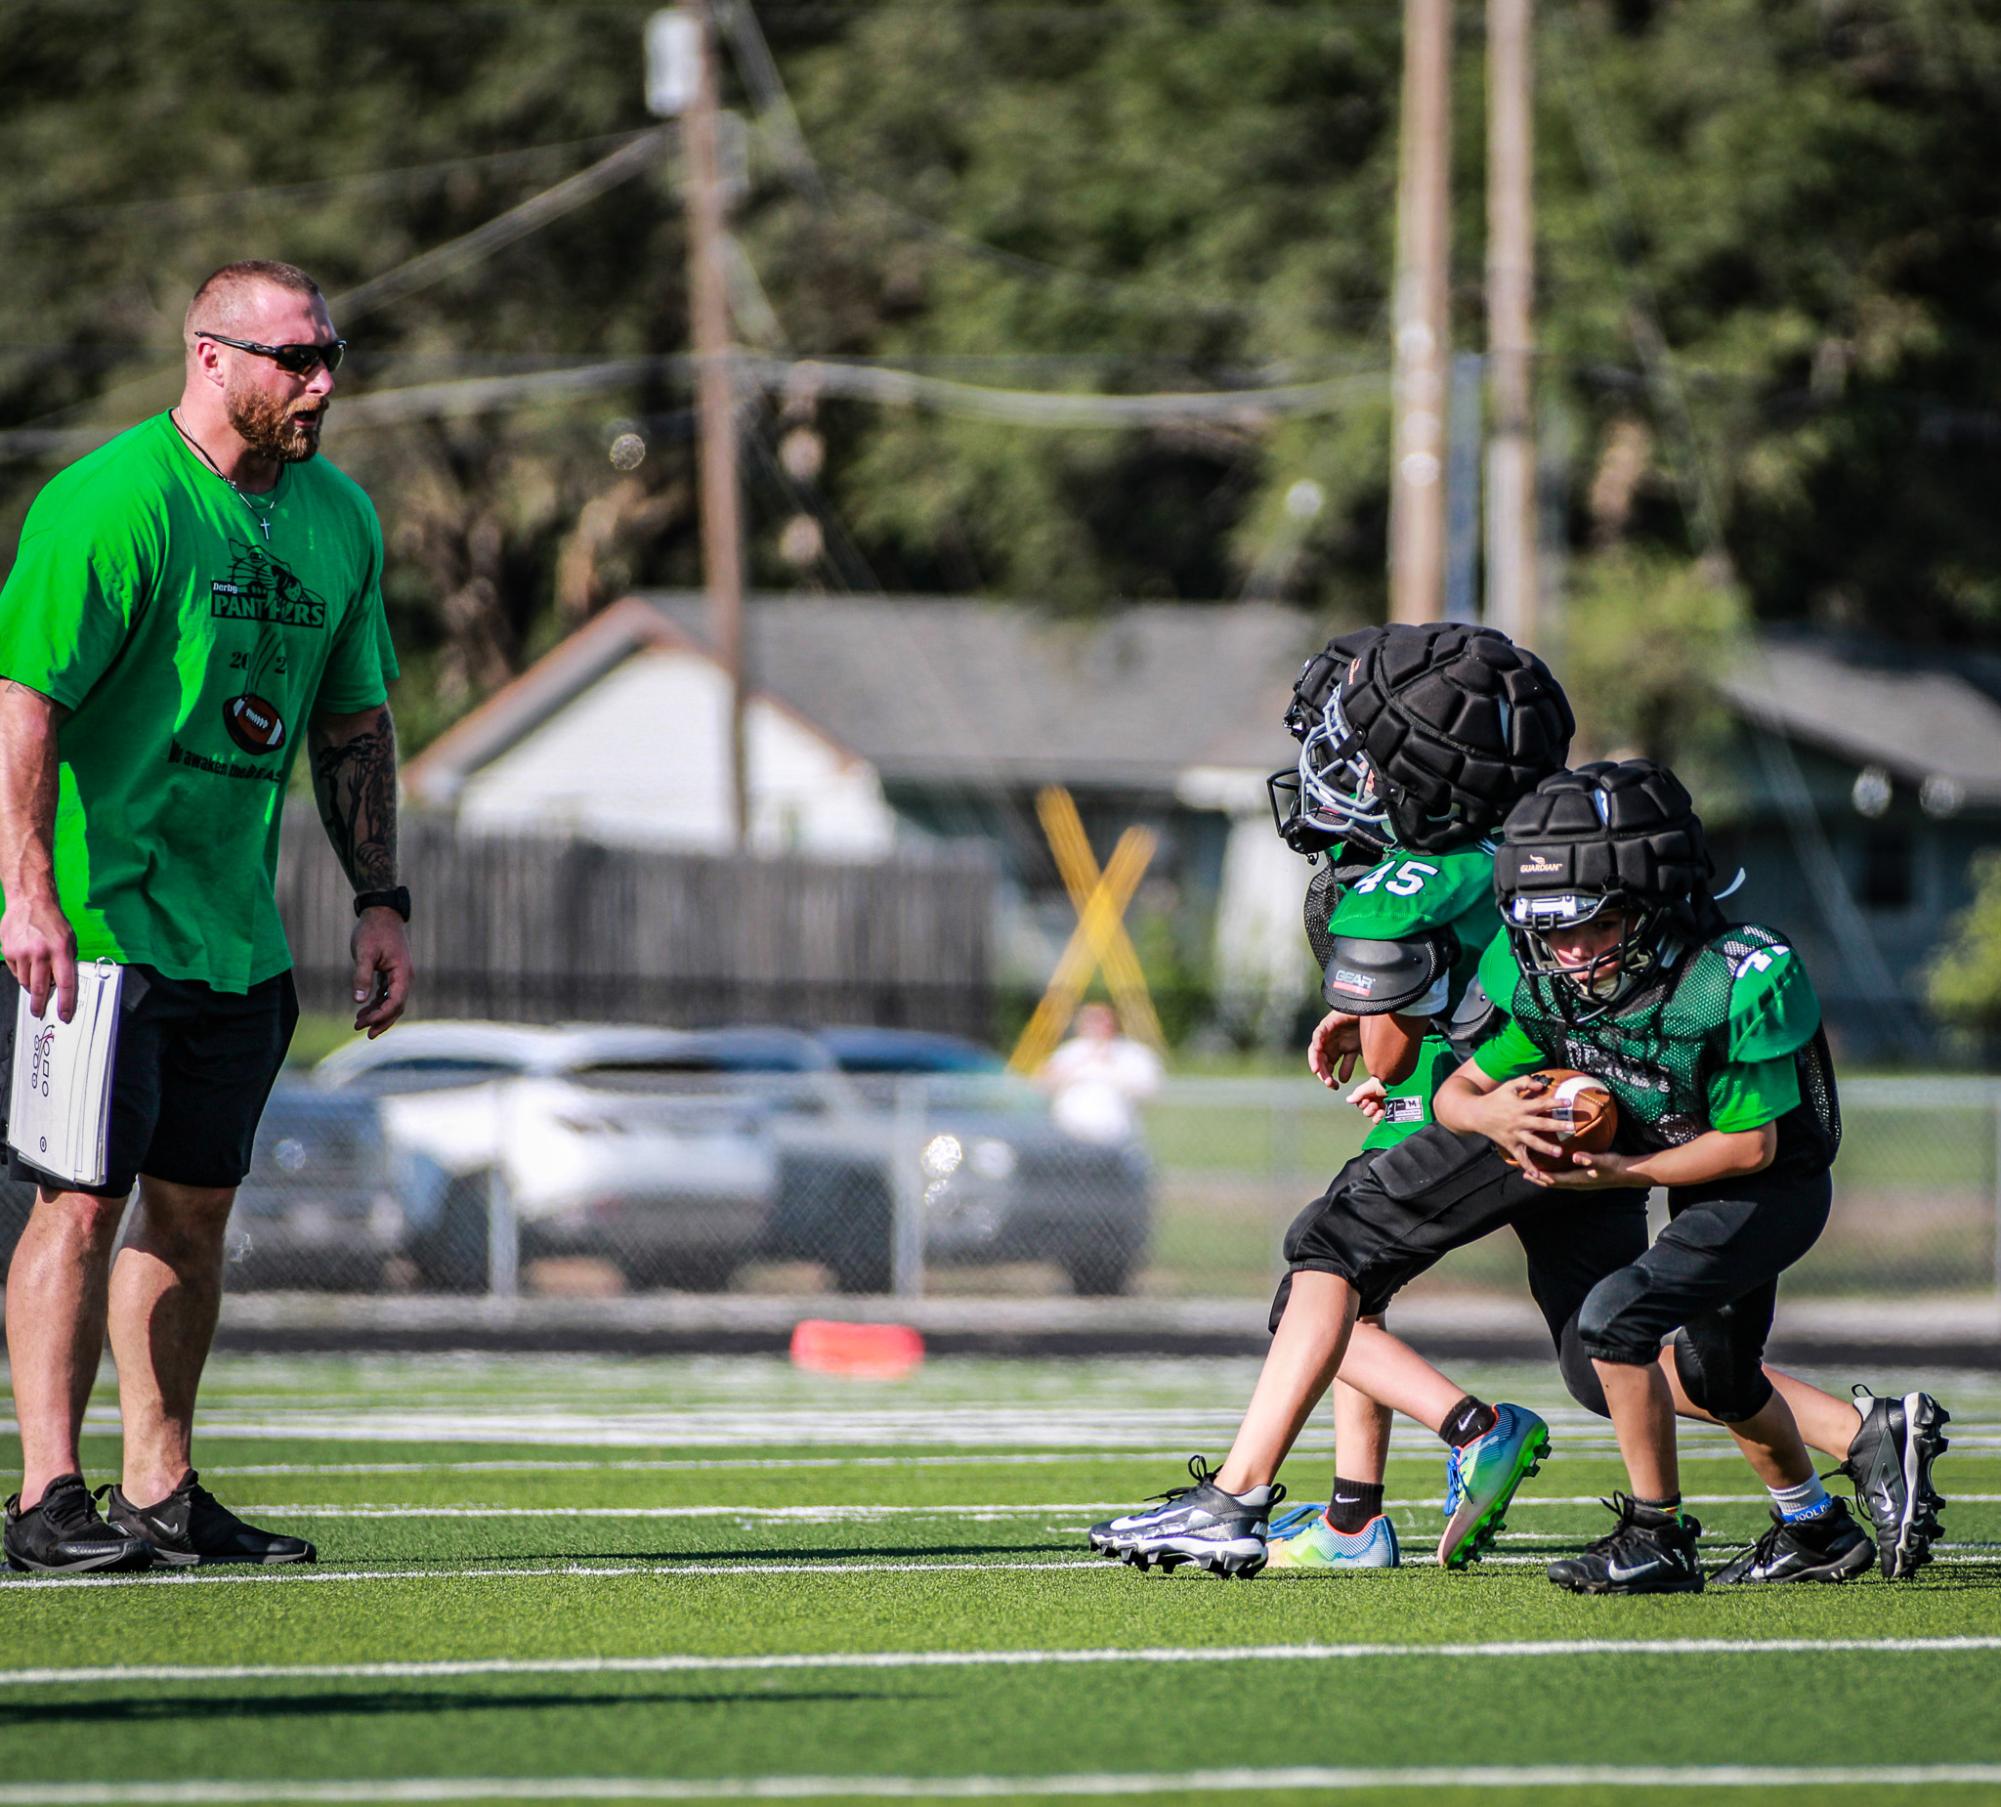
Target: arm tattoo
354,781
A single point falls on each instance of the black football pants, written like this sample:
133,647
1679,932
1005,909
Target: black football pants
1392,1213
1711,1281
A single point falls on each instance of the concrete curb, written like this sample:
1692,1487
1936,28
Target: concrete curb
1956,1332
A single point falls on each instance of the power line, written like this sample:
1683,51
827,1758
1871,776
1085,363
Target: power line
425,268
375,181
636,154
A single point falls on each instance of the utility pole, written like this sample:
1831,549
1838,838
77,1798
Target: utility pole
1512,594
1418,397
681,80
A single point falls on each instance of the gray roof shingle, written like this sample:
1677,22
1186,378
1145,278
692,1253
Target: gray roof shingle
1917,716
950,689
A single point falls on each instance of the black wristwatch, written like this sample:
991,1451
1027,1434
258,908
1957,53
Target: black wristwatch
397,899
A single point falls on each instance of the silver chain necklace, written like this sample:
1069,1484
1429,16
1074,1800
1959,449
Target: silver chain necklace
260,506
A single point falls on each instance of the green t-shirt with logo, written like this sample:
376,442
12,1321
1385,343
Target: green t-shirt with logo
190,653
1411,894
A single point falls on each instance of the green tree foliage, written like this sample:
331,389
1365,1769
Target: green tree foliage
1964,984
1768,289
1689,621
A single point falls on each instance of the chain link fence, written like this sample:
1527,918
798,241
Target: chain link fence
752,1160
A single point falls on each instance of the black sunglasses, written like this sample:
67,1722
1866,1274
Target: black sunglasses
294,360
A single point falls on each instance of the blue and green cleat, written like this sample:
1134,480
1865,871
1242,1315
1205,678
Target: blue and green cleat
1305,1543
1481,1478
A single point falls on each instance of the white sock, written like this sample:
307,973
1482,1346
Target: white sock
1808,1500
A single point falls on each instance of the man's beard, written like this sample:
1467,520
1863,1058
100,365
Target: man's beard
268,426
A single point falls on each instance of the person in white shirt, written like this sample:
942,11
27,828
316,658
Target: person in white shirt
1098,1077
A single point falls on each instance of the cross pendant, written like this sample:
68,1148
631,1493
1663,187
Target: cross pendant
266,525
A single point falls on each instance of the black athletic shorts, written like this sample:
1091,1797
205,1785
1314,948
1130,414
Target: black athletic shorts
193,1069
1711,1280
1392,1213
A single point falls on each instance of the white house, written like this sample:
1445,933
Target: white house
873,721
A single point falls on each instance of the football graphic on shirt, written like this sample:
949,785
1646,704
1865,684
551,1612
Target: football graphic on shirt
254,724
1586,1116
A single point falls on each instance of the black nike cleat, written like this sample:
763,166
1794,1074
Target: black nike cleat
61,1534
192,1526
1890,1463
1648,1552
1832,1547
1224,1533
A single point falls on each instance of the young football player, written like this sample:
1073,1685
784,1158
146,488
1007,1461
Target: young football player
1618,962
1415,742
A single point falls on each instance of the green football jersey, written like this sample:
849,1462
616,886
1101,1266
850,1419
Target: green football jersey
1728,1038
189,651
1405,895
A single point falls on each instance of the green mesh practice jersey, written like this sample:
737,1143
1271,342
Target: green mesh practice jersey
1409,894
1728,1038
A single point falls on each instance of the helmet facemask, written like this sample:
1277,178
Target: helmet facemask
1338,790
1587,990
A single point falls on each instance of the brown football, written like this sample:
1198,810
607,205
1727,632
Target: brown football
1587,1117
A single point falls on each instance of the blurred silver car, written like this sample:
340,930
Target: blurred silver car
626,1144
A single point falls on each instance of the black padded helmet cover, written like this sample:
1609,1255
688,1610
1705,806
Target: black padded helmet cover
1623,829
1458,723
1321,676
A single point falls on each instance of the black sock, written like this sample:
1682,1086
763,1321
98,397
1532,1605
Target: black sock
1657,1512
1467,1420
1353,1503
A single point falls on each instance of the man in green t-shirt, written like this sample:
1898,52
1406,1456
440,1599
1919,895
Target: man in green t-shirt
188,604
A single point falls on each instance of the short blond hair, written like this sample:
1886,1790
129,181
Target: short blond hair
219,300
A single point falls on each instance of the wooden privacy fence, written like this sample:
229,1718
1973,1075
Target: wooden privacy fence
544,930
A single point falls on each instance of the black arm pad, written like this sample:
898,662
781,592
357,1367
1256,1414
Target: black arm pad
1472,1021
1373,978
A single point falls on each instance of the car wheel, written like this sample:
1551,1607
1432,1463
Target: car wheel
1101,1274
452,1258
858,1236
682,1273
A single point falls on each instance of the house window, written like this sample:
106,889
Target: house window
1886,869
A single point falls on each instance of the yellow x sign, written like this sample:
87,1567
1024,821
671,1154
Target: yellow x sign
1100,938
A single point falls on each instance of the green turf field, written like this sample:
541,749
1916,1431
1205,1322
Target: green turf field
566,1580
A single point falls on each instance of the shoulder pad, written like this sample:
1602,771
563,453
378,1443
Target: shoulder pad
1372,978
1474,1018
1500,972
1773,1007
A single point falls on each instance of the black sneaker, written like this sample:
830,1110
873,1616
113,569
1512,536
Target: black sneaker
1648,1552
1890,1463
61,1534
1222,1532
192,1526
1832,1547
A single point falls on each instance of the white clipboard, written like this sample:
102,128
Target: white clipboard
59,1107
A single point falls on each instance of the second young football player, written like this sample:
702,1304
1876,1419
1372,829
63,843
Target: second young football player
1619,962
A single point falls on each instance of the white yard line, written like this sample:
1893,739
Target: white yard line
1961,1448
286,1575
699,1464
839,1514
1297,1780
1136,1436
675,1571
1706,1649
